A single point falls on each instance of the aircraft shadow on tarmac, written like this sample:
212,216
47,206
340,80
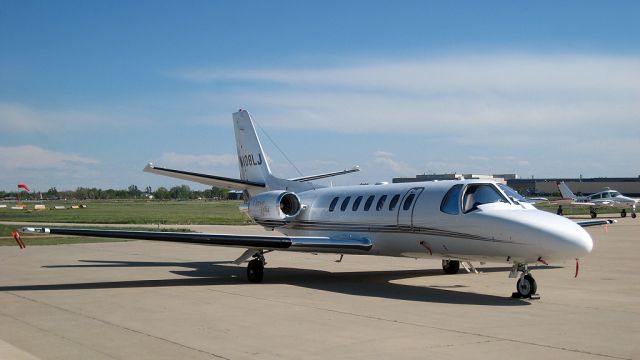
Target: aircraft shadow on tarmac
370,283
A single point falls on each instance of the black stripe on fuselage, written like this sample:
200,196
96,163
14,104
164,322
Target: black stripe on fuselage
380,228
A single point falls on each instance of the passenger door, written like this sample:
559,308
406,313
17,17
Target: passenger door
406,206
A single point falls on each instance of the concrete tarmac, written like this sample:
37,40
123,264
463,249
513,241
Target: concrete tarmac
154,300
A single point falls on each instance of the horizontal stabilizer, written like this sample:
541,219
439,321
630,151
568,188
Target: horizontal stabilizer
326,175
211,180
586,223
242,241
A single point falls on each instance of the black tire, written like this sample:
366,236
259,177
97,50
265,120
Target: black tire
559,211
633,215
594,214
526,286
623,213
450,266
255,271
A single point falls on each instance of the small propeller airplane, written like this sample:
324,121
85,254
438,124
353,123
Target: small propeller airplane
603,199
458,221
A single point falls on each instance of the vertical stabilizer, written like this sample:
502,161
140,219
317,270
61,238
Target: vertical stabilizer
565,191
251,159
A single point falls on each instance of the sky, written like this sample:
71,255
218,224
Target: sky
91,91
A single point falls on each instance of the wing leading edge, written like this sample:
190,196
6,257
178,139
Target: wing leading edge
211,180
240,241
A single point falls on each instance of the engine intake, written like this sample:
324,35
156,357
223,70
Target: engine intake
274,206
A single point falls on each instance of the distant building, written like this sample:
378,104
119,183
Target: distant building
546,186
440,177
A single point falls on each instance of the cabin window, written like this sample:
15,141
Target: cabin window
408,201
450,203
479,194
394,202
333,204
381,201
345,203
356,203
367,204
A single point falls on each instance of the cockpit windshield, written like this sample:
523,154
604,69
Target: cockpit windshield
512,193
479,194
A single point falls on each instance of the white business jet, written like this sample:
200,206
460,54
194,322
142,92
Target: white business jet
603,199
458,221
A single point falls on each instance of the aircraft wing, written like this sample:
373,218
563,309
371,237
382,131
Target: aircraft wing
586,223
211,180
326,175
240,241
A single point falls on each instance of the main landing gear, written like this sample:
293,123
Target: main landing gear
623,213
593,213
255,268
559,211
526,286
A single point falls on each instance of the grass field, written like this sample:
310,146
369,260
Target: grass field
120,212
135,212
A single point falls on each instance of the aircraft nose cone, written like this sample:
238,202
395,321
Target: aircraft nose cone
581,241
568,240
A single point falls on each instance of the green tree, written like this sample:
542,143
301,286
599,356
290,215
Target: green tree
134,192
182,192
162,193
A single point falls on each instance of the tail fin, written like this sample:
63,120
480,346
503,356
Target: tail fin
565,191
252,161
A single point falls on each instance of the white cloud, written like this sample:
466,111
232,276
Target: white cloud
491,98
36,158
20,118
398,168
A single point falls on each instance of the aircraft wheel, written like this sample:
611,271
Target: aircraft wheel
633,215
526,286
450,266
593,214
255,271
559,211
623,213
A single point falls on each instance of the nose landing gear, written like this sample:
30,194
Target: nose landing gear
526,286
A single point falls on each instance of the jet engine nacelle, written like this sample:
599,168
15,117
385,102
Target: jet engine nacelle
274,206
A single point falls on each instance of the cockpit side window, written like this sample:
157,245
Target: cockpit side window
512,194
450,202
479,194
